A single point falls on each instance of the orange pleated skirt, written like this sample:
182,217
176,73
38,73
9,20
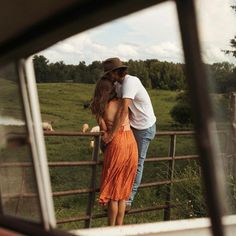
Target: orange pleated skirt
119,168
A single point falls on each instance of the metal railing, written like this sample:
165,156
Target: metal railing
93,189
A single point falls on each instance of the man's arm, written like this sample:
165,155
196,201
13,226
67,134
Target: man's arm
119,120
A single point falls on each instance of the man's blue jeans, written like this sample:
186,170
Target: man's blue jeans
143,138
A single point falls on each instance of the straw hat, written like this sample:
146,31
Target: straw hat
111,64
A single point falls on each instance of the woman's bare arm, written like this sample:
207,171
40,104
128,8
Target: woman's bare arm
121,114
102,125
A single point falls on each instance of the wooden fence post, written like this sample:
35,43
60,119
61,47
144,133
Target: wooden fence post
171,168
88,222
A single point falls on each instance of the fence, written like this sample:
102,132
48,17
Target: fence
92,189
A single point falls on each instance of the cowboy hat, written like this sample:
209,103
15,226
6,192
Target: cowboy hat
111,64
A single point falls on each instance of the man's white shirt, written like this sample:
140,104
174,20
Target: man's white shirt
142,115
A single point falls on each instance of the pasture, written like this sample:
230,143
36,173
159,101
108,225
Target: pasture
63,104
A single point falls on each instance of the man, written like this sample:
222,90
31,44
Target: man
142,118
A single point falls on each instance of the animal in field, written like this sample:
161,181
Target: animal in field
47,126
94,130
85,128
86,104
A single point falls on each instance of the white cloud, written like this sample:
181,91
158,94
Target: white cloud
53,55
65,47
151,33
127,51
214,54
217,21
165,49
75,49
157,24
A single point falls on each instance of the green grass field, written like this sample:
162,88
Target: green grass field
62,103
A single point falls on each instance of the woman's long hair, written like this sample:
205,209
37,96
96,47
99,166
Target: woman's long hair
103,94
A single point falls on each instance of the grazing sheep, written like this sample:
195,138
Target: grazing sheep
95,129
47,126
85,128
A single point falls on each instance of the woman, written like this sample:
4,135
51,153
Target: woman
120,155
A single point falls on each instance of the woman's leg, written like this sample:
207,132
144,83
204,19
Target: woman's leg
112,212
121,212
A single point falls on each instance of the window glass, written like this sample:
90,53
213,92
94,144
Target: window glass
148,42
17,178
216,21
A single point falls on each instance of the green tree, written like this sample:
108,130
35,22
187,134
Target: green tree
41,68
166,75
221,74
181,113
232,41
95,71
139,69
154,67
83,73
58,72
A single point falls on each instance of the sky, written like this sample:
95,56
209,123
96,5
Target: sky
152,33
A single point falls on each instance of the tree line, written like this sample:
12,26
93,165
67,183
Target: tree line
153,73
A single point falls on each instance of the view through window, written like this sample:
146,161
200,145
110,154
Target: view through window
217,36
149,43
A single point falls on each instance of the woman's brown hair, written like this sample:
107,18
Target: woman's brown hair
103,94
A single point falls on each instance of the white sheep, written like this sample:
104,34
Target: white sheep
47,126
85,128
94,129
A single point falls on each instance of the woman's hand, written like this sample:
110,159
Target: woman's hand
107,137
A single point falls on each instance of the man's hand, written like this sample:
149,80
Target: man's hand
107,137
